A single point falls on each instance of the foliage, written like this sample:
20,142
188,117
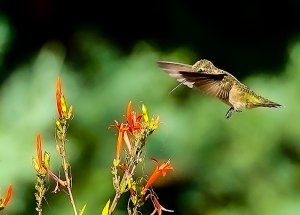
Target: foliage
246,165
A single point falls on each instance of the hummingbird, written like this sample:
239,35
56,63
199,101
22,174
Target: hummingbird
212,81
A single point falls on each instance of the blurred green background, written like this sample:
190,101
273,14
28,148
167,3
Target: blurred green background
106,55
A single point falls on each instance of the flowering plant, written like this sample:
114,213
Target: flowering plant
134,133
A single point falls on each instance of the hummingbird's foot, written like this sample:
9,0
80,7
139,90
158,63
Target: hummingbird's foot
229,112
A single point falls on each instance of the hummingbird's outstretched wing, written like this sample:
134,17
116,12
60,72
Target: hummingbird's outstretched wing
210,83
172,67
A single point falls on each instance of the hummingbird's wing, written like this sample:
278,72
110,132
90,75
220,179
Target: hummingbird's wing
217,85
214,84
172,67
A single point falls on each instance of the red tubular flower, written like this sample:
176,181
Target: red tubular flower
64,112
133,120
160,170
129,114
122,128
39,151
7,198
8,195
41,163
58,97
157,207
127,141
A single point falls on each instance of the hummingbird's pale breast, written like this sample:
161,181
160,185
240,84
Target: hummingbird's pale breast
237,98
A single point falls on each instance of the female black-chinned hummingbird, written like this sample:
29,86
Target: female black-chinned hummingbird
204,76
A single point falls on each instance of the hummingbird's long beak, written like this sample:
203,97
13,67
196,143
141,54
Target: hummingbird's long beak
178,85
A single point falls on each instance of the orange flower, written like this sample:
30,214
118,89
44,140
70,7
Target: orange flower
39,151
133,120
4,202
160,170
63,110
157,207
41,164
59,95
127,141
122,128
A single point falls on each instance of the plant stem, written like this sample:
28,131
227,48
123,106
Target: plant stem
136,152
68,180
114,203
127,175
65,165
57,179
72,200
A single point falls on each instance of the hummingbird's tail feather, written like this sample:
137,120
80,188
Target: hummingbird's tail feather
269,104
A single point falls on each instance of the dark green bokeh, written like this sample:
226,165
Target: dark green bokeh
248,164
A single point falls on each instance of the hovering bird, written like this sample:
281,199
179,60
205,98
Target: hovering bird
204,76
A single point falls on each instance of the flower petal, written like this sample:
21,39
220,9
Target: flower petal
161,170
120,140
158,208
129,114
8,195
39,150
58,97
127,141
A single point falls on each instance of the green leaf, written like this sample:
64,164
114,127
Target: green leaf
82,210
106,208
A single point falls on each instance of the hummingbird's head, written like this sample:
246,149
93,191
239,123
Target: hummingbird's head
203,64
